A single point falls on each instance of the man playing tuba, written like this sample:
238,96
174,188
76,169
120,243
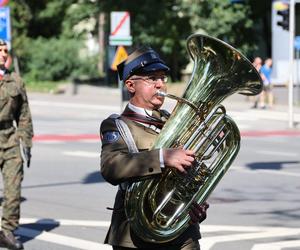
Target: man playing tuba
126,156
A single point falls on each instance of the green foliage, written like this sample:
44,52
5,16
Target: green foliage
43,86
158,24
221,19
47,35
57,59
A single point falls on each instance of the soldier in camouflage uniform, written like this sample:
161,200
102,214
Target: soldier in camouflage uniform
15,129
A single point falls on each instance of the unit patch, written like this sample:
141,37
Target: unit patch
111,136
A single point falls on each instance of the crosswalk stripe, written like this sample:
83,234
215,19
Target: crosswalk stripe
61,240
208,242
65,222
277,245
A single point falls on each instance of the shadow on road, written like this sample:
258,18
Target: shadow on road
93,177
273,165
27,232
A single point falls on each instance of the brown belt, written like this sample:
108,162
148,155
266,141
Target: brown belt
5,124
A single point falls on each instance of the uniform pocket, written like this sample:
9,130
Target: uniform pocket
3,101
13,152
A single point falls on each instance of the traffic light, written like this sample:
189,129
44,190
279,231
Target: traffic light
285,18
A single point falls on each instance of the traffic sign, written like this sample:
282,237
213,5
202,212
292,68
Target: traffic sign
120,28
120,56
5,32
297,43
3,2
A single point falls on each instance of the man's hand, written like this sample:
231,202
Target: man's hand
198,212
27,154
178,158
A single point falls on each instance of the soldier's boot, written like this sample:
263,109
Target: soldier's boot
8,240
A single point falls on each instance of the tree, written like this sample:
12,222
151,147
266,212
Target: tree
164,29
54,23
224,20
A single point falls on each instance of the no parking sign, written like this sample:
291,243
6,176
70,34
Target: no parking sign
3,2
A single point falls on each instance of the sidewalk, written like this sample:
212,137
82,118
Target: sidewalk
99,95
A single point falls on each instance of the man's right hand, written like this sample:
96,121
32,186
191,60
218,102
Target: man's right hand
178,158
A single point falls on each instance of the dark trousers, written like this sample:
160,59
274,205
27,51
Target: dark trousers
194,245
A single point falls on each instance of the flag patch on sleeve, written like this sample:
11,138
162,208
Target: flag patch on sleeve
110,137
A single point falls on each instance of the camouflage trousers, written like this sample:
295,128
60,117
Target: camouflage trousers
11,166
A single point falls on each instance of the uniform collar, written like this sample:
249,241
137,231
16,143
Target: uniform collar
140,111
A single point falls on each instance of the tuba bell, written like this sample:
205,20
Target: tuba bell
158,208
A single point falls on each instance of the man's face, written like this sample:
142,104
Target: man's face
3,54
144,89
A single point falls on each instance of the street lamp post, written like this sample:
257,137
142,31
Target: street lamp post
291,55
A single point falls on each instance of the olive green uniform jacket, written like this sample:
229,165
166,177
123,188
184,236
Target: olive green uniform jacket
118,166
14,107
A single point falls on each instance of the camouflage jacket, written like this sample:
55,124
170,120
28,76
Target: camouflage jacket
14,108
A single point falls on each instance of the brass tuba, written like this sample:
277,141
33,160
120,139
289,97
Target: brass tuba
157,208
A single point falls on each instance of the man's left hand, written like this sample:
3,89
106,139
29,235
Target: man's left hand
198,212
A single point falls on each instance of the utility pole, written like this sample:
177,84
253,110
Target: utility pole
101,21
292,56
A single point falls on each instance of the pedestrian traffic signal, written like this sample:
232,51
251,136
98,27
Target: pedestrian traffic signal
285,18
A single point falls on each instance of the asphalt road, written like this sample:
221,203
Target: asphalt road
255,206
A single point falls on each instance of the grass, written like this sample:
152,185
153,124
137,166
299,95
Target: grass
44,87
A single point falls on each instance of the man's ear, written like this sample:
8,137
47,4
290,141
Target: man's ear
130,86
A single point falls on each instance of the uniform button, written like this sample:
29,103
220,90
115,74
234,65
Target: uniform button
150,170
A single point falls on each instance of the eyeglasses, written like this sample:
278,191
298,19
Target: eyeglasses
151,80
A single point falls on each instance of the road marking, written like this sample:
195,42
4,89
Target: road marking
64,222
60,239
208,242
82,154
277,245
75,105
244,233
263,114
262,171
66,137
271,133
265,152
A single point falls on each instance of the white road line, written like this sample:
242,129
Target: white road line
264,171
208,242
277,245
245,233
252,115
61,240
265,152
64,222
82,154
75,105
216,228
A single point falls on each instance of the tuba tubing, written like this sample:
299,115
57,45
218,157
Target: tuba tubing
158,208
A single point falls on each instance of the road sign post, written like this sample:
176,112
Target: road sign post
292,56
120,35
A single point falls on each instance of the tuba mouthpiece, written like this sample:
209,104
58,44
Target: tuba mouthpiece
161,93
